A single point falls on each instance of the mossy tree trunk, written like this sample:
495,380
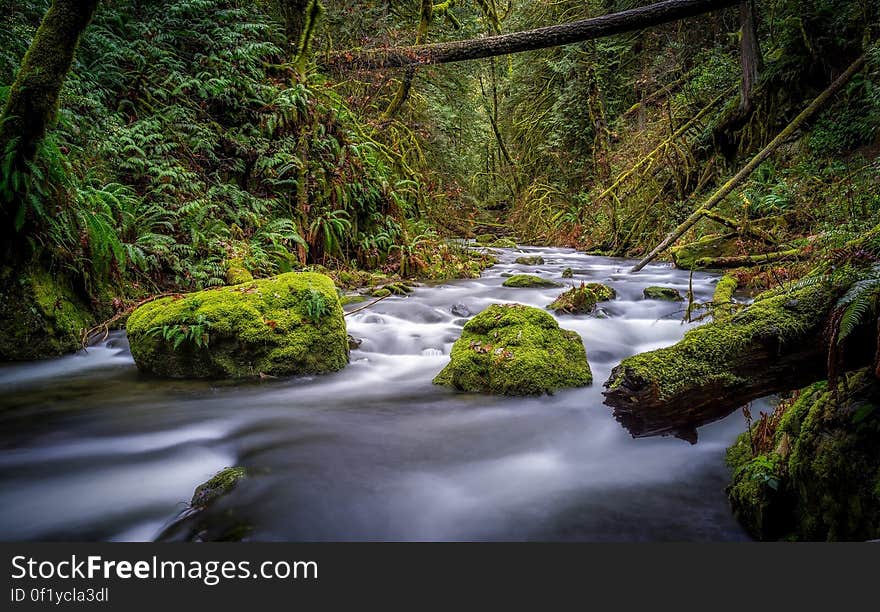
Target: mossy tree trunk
426,14
516,42
293,12
33,100
750,54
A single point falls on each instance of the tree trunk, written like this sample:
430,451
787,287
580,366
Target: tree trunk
33,100
541,38
745,261
426,14
728,187
293,12
776,344
750,54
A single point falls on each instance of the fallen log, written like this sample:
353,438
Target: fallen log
746,261
727,188
776,344
541,38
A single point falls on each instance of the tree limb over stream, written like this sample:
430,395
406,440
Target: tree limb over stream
530,40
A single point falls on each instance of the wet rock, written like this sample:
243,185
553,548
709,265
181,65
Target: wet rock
582,299
666,294
289,324
529,281
354,343
203,520
568,273
460,310
530,260
512,349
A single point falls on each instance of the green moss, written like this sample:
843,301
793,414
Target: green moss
503,243
237,273
826,467
685,256
666,294
528,281
530,260
582,299
722,299
42,316
220,484
704,352
485,239
512,349
381,292
568,273
269,326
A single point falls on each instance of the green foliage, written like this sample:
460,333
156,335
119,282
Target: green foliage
195,334
859,303
314,305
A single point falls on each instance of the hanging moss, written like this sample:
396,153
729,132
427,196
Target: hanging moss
511,349
289,324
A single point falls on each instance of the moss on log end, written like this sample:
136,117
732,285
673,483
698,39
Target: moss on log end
771,346
289,324
812,470
511,349
582,299
529,281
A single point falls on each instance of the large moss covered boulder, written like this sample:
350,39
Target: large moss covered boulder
511,349
289,324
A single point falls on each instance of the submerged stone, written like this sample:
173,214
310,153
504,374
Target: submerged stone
511,349
666,294
530,260
529,281
582,299
289,324
460,310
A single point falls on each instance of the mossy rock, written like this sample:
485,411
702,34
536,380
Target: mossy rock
568,273
42,316
582,299
289,324
528,281
686,256
665,294
206,520
220,484
816,476
381,292
503,243
530,260
237,273
485,239
511,349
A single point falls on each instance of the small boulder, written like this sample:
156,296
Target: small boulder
568,273
485,239
503,243
530,260
289,324
460,310
528,281
381,292
583,299
666,294
511,349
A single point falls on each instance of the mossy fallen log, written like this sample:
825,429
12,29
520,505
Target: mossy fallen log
747,261
776,344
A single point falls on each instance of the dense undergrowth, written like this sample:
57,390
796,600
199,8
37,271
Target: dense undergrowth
188,142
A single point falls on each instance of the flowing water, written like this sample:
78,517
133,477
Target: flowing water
91,449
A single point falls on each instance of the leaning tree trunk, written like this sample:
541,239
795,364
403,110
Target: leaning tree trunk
750,54
776,344
541,38
33,99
